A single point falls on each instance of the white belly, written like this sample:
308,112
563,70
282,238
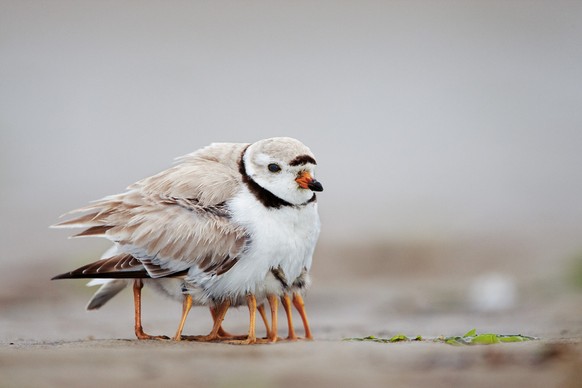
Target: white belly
283,237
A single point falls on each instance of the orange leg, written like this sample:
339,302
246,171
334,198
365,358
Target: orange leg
139,333
221,332
186,306
286,302
261,309
218,315
273,302
252,338
252,303
300,306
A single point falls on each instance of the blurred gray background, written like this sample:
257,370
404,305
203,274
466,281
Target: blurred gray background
436,124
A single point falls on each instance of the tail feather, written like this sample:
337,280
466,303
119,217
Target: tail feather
106,292
122,266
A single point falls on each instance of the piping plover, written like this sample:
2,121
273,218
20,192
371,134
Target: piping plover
235,222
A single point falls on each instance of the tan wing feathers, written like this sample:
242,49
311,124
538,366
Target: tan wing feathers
176,218
210,175
99,230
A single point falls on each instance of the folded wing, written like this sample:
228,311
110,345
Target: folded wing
165,224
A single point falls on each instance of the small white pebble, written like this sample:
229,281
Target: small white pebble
492,292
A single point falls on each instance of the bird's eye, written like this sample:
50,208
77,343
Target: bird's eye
273,167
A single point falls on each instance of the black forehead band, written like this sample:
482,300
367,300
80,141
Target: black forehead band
301,160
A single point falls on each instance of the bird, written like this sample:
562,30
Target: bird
234,222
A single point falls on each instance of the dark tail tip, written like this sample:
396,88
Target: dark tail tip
66,275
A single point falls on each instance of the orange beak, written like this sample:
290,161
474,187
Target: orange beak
306,181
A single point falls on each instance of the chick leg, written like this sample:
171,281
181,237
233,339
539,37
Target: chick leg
221,332
300,306
273,302
219,314
286,302
251,338
261,309
186,306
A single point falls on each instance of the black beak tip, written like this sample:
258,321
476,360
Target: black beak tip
315,186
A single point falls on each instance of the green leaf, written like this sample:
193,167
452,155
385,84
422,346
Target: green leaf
471,333
515,338
399,338
485,339
470,338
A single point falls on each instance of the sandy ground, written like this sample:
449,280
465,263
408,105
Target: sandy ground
47,339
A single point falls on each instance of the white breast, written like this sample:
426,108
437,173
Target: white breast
284,237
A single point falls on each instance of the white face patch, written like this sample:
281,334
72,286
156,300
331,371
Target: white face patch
281,182
262,159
